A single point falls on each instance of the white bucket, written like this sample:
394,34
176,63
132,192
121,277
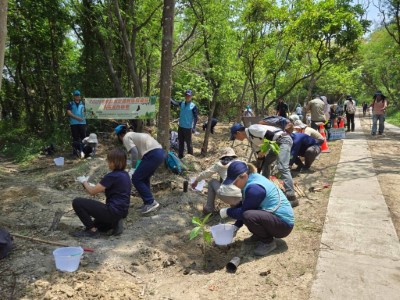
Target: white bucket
223,234
68,258
59,161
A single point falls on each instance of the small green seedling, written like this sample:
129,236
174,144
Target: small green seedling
269,145
201,229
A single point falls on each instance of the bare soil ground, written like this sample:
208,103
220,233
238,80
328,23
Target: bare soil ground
153,258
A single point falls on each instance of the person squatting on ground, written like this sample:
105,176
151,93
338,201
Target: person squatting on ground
350,109
229,194
77,121
265,210
256,134
304,146
188,116
214,122
378,112
117,188
300,127
317,108
142,146
90,145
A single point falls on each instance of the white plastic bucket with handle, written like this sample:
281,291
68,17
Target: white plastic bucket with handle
59,161
68,258
222,234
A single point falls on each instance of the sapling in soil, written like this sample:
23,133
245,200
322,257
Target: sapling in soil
201,229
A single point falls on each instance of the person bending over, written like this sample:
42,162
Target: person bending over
265,210
229,194
97,216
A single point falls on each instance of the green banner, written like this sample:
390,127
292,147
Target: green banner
121,108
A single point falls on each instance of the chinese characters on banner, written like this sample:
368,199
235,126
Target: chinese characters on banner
121,108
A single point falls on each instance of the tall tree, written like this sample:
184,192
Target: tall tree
3,32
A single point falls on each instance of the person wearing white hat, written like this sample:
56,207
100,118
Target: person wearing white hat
300,127
90,145
229,194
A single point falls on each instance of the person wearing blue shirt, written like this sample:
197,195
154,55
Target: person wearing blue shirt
265,210
188,116
303,146
77,121
117,187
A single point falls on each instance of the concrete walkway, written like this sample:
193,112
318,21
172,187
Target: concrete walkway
359,254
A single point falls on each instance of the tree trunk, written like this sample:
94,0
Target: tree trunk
3,33
166,73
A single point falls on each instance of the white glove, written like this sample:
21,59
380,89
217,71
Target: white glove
82,179
223,213
131,172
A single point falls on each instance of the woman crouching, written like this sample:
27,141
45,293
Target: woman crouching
265,210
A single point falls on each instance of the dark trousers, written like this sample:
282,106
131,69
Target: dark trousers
141,178
86,209
265,225
315,126
78,132
350,121
185,135
309,156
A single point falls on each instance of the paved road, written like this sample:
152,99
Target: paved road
360,252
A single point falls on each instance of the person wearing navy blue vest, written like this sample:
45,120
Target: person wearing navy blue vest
77,121
187,123
265,210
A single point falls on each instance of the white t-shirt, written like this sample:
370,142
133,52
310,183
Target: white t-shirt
143,141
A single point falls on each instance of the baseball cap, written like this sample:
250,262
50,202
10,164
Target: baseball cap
77,93
236,127
188,92
299,124
119,128
235,169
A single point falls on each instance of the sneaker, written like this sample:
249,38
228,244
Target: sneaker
251,240
150,207
382,134
119,228
263,249
82,155
373,133
140,207
86,233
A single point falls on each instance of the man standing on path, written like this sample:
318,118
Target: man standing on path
350,109
282,108
316,107
187,123
76,114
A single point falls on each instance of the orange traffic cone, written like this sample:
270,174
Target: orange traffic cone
335,125
324,146
341,123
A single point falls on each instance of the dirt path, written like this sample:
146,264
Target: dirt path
153,258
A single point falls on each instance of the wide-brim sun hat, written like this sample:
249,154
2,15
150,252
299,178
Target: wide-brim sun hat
92,138
228,151
299,124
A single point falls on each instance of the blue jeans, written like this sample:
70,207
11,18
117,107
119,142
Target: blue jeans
285,145
141,178
375,119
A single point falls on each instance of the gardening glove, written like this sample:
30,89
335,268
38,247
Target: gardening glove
131,172
223,213
82,179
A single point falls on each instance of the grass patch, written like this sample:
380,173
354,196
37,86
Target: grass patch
393,116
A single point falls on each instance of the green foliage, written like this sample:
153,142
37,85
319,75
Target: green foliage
201,229
269,145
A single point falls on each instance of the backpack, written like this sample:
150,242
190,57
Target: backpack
276,121
350,108
5,243
174,164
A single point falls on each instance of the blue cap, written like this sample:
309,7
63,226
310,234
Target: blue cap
119,128
188,92
77,93
235,169
236,127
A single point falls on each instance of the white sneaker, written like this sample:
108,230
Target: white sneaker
82,154
150,207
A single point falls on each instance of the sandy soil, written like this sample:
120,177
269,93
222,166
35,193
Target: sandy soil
153,258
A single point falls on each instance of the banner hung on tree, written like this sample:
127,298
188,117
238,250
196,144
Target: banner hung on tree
121,108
